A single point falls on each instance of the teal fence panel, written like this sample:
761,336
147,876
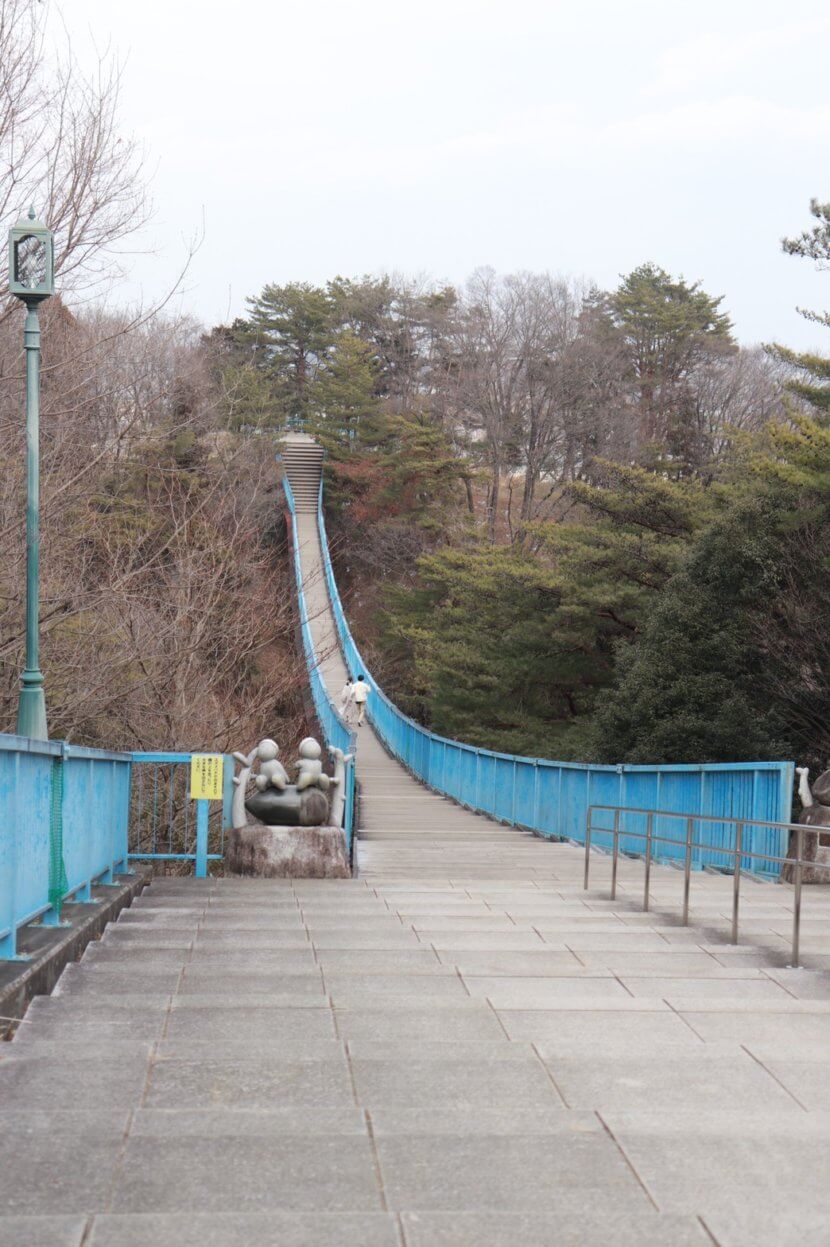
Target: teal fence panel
336,732
552,798
64,812
166,824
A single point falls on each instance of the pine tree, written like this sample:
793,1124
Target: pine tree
670,328
290,328
343,397
812,380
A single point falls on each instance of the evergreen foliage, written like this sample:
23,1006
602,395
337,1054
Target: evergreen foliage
670,330
290,330
491,666
811,380
732,662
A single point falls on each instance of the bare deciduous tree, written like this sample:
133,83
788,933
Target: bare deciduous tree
61,149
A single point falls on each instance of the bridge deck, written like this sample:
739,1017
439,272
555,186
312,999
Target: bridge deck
458,1047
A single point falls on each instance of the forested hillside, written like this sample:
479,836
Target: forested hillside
569,522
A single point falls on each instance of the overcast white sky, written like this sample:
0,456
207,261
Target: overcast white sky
352,136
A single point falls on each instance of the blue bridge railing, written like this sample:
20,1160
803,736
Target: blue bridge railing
64,813
553,798
337,733
165,824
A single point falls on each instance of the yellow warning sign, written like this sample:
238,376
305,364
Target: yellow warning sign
206,776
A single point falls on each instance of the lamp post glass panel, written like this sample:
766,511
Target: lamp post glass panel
31,279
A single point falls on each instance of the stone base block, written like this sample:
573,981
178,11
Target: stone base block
288,852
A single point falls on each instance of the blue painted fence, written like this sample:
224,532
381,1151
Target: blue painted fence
553,798
64,813
164,827
337,733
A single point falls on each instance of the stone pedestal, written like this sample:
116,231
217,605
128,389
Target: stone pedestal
288,852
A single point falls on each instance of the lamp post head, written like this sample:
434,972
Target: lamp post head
31,259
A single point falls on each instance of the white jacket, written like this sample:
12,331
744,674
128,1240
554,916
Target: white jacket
361,692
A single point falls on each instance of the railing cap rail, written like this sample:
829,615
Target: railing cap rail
59,749
746,819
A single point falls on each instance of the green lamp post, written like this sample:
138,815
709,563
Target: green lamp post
31,279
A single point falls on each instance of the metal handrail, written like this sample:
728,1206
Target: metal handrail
736,852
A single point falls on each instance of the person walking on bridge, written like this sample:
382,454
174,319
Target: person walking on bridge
361,696
347,701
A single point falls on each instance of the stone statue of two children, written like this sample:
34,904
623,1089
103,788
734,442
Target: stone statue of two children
277,802
815,812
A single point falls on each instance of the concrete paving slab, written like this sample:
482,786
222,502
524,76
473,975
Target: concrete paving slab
525,1174
483,941
674,962
238,941
276,1228
177,1083
624,1034
352,962
518,964
543,993
707,1173
42,1231
116,935
41,1082
807,1080
785,1227
252,1175
28,1042
135,956
582,1229
258,1027
449,1084
406,1050
749,989
357,989
629,1083
803,984
224,920
419,1023
67,1123
198,981
225,999
450,923
56,1174
109,981
220,961
340,939
616,941
548,1117
259,1123
60,1018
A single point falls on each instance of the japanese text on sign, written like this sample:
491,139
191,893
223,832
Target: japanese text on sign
206,776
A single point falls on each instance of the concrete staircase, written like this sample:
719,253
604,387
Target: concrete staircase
302,459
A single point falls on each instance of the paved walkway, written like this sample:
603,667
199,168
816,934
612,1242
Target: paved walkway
458,1048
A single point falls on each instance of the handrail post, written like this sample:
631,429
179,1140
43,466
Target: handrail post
587,849
649,826
687,869
799,870
615,854
736,880
201,838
